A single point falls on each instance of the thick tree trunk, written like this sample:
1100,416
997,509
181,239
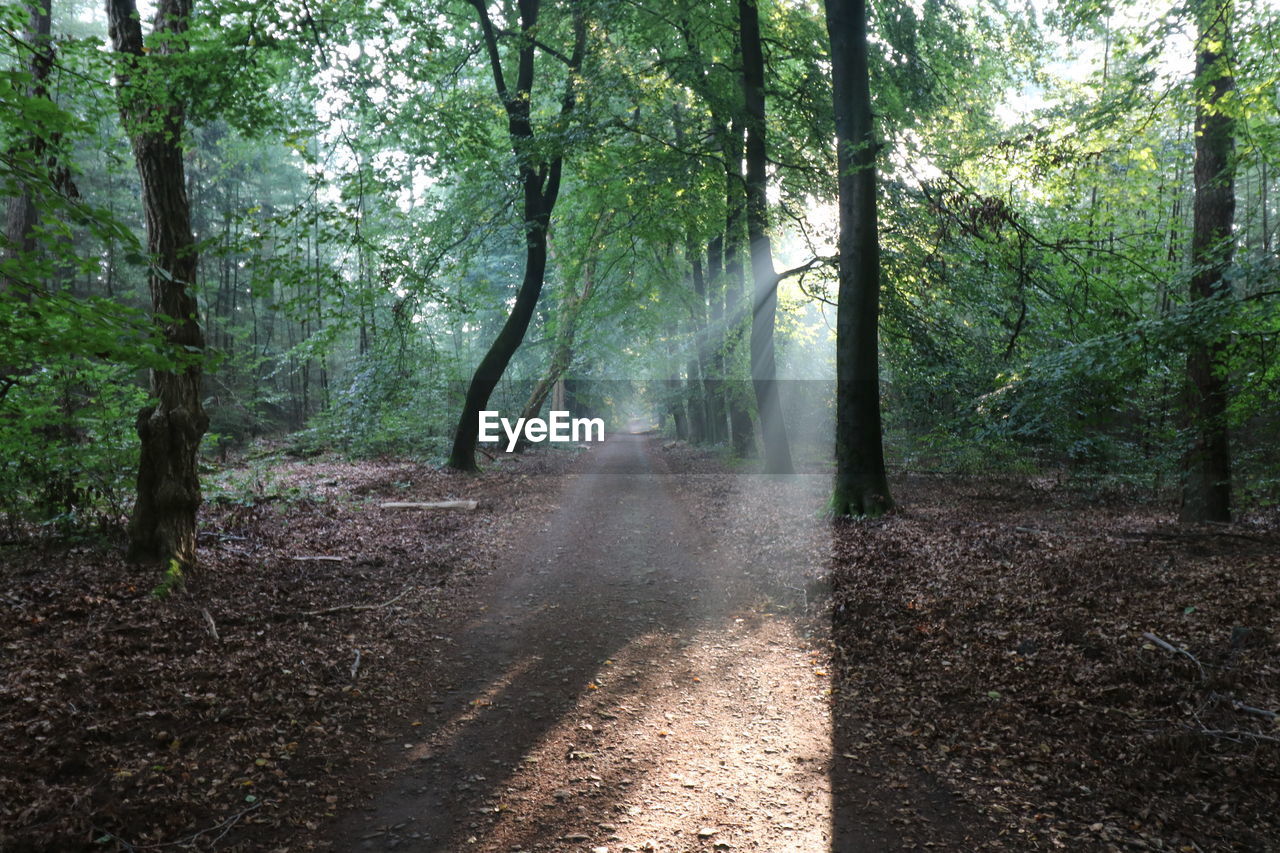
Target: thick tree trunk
777,451
741,428
541,183
504,346
861,486
163,525
1206,493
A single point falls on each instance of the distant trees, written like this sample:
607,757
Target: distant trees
163,524
1036,273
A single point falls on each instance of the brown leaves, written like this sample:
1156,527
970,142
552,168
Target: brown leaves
122,718
999,645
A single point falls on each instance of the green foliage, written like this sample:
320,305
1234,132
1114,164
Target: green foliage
68,451
173,581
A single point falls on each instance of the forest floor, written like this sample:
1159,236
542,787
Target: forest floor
642,648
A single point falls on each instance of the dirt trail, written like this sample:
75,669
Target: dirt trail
618,691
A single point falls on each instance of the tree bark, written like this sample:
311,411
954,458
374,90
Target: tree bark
777,451
713,380
861,486
742,431
1206,493
696,366
540,181
566,330
163,524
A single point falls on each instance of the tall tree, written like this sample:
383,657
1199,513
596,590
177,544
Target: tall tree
861,487
777,451
1206,493
20,212
540,174
163,524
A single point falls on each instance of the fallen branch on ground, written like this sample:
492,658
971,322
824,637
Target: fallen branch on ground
1169,647
345,607
1237,705
318,559
464,505
208,620
1234,734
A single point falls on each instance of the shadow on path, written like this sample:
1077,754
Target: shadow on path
617,563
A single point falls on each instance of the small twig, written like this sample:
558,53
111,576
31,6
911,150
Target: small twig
318,559
1249,709
1178,650
355,667
1235,734
225,825
344,607
223,537
1237,705
208,620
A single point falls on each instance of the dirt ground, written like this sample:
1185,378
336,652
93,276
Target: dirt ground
642,648
632,683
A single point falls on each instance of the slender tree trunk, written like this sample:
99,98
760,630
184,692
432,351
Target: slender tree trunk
735,305
713,380
566,331
163,525
861,486
20,209
777,451
540,181
1206,493
695,367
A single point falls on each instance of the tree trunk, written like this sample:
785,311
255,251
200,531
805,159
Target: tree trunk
562,353
20,210
712,381
741,428
777,451
861,486
1206,493
695,368
163,525
540,181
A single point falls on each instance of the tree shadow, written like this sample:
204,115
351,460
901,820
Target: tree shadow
608,571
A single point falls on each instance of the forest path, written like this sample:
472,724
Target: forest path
621,686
